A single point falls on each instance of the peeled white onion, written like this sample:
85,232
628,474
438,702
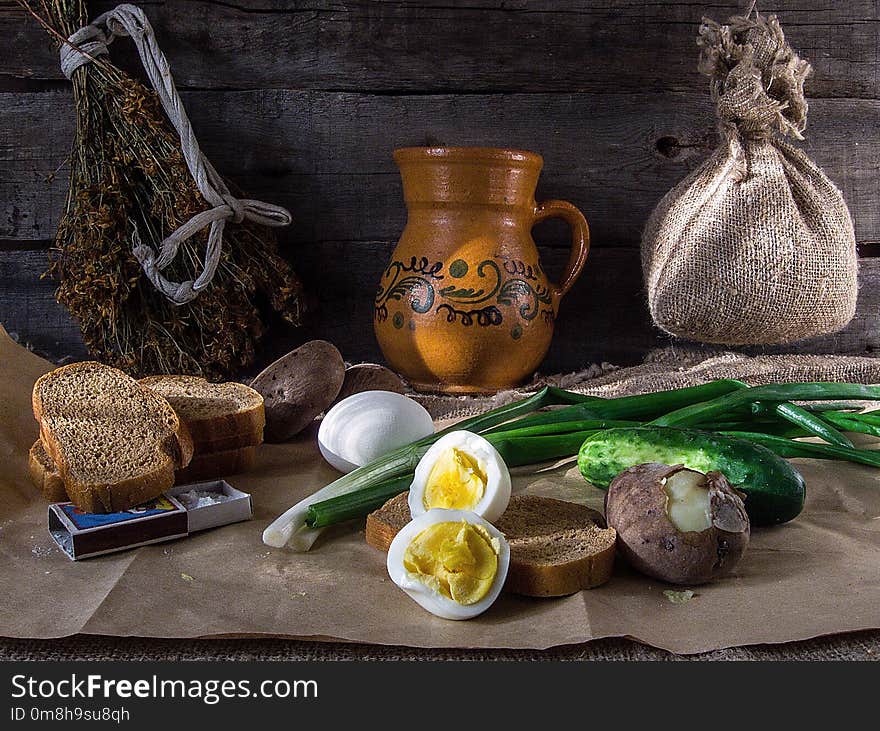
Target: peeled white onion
369,424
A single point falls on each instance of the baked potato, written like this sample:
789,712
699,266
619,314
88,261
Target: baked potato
677,525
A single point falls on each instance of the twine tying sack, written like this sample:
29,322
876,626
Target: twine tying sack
756,246
91,41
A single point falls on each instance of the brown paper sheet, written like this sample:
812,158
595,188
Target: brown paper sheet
817,575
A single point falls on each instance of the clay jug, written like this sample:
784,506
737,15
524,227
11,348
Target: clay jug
464,305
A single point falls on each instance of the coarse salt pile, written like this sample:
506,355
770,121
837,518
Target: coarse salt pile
193,499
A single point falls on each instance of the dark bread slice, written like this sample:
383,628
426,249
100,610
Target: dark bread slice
46,478
215,465
556,547
115,443
231,442
43,474
219,416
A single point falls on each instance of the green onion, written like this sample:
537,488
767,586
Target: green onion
774,426
694,414
563,427
355,504
516,451
867,417
519,451
647,405
547,396
762,414
291,528
811,450
800,417
821,406
850,423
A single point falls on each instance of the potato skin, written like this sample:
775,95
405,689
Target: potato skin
299,386
635,506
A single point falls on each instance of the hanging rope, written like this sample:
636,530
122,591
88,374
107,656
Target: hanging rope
91,41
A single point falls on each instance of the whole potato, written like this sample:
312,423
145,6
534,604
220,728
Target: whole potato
675,524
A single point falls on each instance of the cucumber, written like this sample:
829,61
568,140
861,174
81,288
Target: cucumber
774,489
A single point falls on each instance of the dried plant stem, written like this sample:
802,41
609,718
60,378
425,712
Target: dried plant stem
129,182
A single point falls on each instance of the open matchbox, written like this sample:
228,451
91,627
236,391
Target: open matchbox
182,510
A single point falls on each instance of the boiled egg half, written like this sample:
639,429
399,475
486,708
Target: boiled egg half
461,471
452,562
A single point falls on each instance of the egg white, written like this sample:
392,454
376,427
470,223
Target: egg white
496,495
369,424
433,601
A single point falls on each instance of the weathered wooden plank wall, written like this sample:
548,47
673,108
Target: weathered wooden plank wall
302,103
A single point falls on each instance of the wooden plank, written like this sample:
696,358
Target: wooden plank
29,311
31,197
603,319
489,45
327,156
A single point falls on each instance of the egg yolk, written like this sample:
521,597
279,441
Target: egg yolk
457,560
455,482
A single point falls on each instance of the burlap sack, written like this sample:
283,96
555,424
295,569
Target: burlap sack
756,246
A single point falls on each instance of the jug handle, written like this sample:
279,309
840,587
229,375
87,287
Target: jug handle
580,239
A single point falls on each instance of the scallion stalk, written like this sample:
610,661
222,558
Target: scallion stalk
867,417
291,527
694,414
813,424
642,406
515,450
547,396
355,504
851,423
791,448
563,427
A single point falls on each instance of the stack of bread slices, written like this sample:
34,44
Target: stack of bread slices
108,442
225,421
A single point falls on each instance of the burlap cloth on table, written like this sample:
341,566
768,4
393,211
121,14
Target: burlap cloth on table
673,367
787,574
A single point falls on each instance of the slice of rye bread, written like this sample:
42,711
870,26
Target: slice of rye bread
215,465
46,478
114,442
219,416
44,475
233,441
556,547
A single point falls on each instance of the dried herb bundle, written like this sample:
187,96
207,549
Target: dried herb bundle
129,182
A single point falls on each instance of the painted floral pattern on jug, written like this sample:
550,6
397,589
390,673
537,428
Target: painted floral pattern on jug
474,299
